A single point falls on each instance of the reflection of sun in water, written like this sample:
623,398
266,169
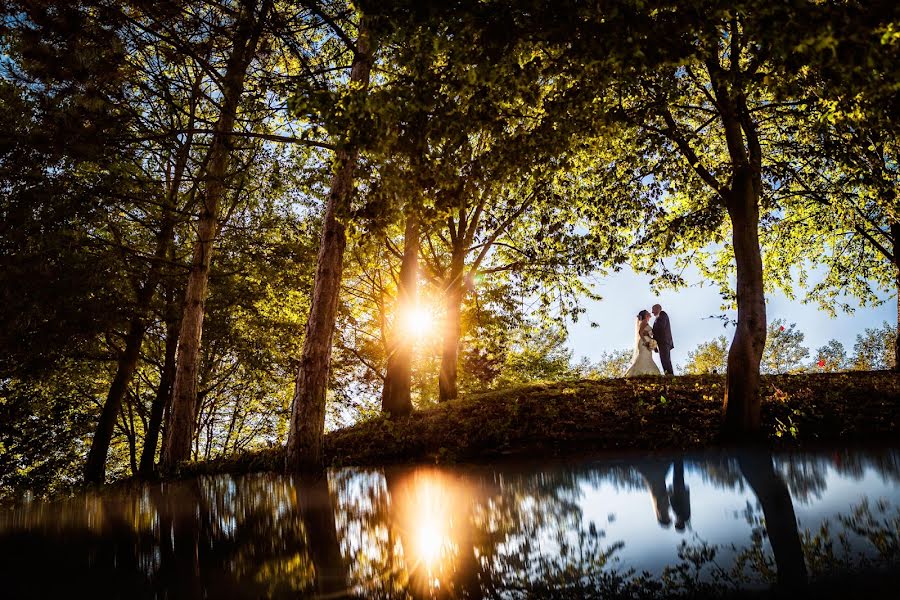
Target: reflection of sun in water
429,541
430,514
418,322
430,523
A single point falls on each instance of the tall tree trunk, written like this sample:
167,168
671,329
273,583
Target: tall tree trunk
742,404
895,236
396,395
180,429
453,298
778,511
164,391
304,445
159,410
741,409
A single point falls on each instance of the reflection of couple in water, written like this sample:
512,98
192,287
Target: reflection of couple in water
677,496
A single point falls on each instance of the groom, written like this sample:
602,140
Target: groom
662,333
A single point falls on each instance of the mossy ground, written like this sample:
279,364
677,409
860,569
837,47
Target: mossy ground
646,414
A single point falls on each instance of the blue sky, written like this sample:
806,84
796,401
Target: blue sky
626,292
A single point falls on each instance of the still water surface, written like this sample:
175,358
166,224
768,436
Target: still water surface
666,525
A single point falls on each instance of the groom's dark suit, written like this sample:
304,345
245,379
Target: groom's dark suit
662,333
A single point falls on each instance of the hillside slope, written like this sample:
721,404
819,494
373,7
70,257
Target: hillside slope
611,414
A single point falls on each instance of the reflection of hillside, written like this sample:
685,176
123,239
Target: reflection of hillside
531,530
718,470
804,475
884,462
512,530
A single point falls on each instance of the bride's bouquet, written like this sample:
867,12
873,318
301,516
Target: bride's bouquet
651,343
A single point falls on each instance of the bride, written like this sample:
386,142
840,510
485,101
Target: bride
642,360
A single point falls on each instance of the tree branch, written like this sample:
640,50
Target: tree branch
671,132
498,231
284,139
332,24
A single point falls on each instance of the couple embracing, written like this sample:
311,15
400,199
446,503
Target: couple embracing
648,339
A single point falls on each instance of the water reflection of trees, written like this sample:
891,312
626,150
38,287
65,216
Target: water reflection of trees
424,532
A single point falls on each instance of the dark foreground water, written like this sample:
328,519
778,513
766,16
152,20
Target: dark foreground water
748,524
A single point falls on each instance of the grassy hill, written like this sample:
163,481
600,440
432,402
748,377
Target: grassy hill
644,414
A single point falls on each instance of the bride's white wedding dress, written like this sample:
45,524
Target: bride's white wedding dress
642,361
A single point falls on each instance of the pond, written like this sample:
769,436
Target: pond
685,525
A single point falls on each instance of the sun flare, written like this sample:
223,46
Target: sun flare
418,322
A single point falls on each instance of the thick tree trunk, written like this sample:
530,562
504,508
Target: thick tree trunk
304,445
895,235
453,299
180,429
742,403
163,393
778,511
396,395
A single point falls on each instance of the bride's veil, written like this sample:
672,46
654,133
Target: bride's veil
637,340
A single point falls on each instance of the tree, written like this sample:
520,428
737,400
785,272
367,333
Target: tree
538,354
831,357
259,295
170,200
396,397
247,32
304,445
715,118
708,357
740,106
612,364
723,81
92,68
837,170
873,349
509,179
784,351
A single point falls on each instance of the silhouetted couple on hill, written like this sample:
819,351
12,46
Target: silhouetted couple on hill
648,339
